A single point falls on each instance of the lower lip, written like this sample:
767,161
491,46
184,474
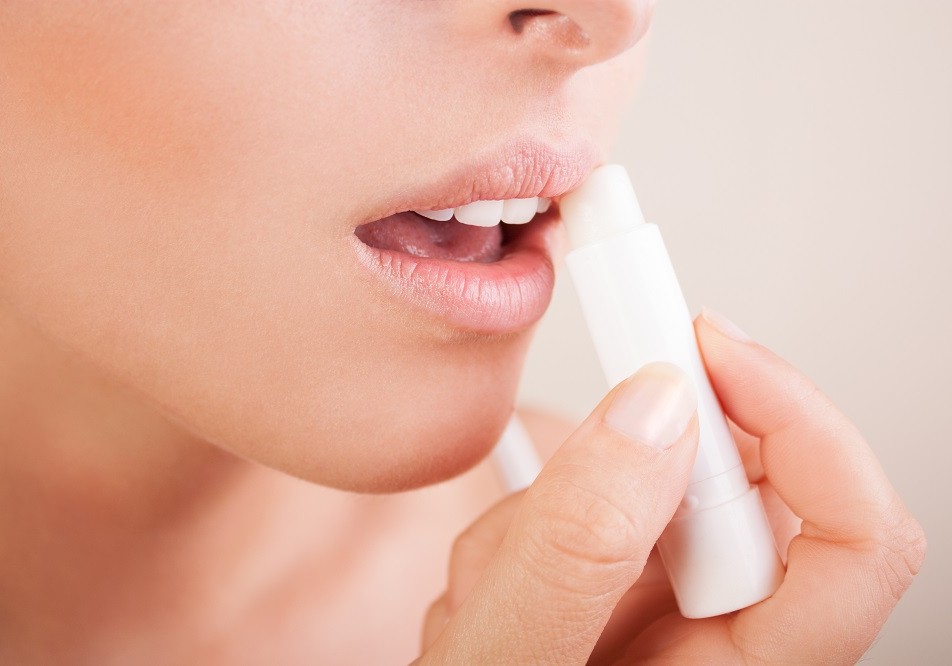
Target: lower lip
505,296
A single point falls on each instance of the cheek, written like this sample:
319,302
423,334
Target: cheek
151,198
176,191
190,103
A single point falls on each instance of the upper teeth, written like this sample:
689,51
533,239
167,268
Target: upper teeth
491,213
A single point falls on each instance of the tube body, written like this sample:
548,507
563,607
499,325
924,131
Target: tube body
636,314
719,549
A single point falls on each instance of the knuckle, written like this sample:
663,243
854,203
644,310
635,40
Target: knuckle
900,552
584,534
437,609
466,544
800,397
806,406
470,553
434,621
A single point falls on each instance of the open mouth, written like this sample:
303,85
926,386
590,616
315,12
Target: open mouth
485,267
480,232
473,251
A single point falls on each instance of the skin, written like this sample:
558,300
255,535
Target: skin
185,332
173,199
565,573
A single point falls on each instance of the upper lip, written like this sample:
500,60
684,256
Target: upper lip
520,169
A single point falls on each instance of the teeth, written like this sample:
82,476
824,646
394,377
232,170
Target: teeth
480,213
491,213
439,215
519,211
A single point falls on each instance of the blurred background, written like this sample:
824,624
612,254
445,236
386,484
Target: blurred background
798,158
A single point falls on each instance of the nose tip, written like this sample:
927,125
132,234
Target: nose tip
582,32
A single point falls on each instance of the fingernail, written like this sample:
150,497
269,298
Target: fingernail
655,406
725,325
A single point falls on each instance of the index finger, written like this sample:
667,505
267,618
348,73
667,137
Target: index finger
812,454
859,547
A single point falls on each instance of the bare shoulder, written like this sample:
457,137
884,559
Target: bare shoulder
546,429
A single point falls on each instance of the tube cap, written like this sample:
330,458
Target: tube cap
604,205
723,558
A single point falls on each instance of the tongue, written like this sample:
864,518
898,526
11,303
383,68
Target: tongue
420,237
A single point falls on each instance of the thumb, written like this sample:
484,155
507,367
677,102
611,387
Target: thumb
584,530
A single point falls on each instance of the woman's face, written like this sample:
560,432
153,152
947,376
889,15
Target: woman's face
181,182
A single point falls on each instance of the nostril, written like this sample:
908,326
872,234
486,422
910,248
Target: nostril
554,29
577,33
518,19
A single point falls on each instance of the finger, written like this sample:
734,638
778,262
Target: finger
784,523
475,548
649,599
814,457
582,534
470,554
436,618
749,448
859,547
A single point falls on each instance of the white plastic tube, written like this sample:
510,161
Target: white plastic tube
517,462
718,550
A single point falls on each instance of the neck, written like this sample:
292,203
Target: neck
112,515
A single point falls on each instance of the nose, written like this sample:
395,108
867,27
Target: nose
573,33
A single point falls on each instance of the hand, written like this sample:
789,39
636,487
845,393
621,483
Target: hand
564,572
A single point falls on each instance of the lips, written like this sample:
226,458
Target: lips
481,279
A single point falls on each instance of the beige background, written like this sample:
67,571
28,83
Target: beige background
798,157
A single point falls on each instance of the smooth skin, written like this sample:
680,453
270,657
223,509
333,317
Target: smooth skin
197,375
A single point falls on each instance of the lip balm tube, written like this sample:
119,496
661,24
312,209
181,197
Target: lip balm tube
718,549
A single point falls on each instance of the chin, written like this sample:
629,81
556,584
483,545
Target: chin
434,458
423,424
387,460
440,444
414,425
